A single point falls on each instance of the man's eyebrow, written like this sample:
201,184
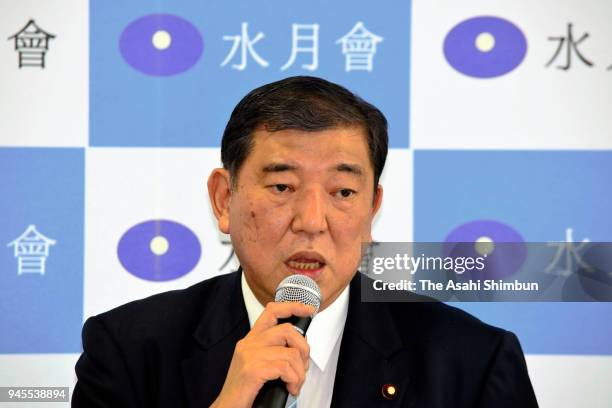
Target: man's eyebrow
278,167
349,168
341,167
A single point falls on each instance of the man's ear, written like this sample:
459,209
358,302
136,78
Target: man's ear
220,193
376,203
377,200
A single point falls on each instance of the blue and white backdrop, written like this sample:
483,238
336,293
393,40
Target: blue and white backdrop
111,115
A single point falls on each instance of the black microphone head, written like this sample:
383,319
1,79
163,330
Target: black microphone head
299,288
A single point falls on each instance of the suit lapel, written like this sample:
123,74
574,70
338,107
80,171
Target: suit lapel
371,355
224,323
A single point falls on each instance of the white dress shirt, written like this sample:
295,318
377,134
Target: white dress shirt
324,336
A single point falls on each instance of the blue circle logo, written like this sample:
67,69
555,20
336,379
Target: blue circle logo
161,44
481,238
159,250
485,47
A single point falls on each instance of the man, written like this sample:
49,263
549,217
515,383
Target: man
297,193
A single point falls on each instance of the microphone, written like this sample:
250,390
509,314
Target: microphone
294,288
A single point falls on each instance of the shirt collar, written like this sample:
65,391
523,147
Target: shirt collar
324,331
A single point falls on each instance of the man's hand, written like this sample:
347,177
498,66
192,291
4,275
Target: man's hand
269,351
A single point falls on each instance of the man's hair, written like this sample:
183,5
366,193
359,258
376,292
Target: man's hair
303,103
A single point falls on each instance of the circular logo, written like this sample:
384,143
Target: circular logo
161,44
485,47
159,250
502,245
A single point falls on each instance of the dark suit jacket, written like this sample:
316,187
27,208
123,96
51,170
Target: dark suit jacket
174,350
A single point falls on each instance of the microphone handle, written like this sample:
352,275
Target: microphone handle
274,394
300,323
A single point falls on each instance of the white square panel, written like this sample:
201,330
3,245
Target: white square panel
571,381
530,107
38,370
45,106
125,187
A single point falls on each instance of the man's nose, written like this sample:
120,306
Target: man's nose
310,214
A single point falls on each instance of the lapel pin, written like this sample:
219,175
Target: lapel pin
389,391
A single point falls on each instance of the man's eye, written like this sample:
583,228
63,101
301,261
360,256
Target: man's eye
345,192
280,187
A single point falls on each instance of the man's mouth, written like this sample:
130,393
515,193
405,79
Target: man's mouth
308,263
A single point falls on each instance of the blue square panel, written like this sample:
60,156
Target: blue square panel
41,261
169,73
541,196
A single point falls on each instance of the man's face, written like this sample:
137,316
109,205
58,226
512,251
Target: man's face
303,203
